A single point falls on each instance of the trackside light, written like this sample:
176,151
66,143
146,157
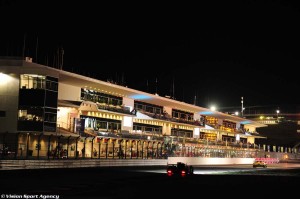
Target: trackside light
4,78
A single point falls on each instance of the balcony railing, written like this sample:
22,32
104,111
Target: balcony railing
131,136
167,117
118,109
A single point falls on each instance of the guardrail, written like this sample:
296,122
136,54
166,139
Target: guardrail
42,164
268,160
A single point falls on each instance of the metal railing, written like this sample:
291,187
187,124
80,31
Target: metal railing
167,117
124,110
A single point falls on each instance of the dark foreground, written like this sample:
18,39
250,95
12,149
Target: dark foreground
127,183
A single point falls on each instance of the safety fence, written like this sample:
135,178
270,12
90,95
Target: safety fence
268,160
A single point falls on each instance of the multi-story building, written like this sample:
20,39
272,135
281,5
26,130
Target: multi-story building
50,113
283,126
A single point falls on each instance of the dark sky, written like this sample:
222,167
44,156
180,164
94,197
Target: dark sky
218,52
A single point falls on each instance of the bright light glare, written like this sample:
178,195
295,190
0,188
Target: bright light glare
127,121
197,131
213,108
3,78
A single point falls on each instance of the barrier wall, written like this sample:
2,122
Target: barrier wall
43,164
210,161
268,160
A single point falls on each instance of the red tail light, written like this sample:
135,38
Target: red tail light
169,171
182,172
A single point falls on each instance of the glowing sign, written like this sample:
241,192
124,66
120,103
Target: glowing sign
245,122
206,113
140,97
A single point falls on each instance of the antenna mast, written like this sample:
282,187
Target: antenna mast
147,84
242,101
122,80
58,59
173,88
24,42
62,58
36,49
156,86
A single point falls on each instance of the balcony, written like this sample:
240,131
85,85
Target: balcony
118,109
167,117
98,107
126,135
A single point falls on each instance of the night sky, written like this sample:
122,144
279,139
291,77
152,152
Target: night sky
217,52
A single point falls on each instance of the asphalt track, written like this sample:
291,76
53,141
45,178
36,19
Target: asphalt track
151,182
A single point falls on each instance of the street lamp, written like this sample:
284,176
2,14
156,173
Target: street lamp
213,108
242,109
277,112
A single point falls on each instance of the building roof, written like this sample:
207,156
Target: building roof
122,91
113,89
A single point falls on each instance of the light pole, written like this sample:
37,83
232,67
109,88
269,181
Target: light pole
242,101
213,108
277,112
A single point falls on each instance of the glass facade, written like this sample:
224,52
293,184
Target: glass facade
37,103
31,81
146,128
183,115
101,124
181,133
149,108
102,98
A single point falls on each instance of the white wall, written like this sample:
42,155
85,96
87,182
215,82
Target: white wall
168,110
197,116
68,92
88,106
65,116
9,92
196,133
250,140
166,129
128,102
87,162
251,128
219,136
209,161
220,121
127,123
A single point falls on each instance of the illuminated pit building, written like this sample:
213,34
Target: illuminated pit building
50,113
